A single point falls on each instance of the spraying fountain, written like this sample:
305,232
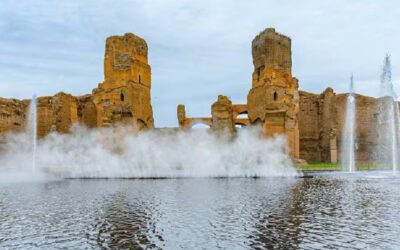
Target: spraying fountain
32,129
348,137
388,120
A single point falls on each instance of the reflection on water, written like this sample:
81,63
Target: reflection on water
328,211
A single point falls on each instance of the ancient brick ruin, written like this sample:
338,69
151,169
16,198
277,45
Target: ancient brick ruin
224,116
273,99
123,96
312,123
12,114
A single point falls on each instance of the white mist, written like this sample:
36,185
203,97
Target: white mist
118,152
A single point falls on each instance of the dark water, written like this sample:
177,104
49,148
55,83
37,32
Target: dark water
330,212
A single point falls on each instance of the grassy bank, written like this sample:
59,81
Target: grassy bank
327,166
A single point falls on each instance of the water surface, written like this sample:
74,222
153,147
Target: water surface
327,211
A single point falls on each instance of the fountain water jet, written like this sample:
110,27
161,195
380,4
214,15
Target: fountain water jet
348,137
32,129
388,120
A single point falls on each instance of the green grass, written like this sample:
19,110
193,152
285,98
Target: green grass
326,166
319,166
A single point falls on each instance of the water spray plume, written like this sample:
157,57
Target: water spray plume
348,137
31,129
388,120
118,152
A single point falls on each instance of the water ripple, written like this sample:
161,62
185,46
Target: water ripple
324,212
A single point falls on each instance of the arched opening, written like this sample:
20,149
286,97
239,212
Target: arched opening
122,97
199,125
275,96
140,79
242,115
240,125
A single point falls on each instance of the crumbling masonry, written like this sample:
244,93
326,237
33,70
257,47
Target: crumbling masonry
123,96
310,122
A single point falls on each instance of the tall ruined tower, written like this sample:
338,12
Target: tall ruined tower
124,95
273,100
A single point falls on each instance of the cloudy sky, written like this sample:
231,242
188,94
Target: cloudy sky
197,49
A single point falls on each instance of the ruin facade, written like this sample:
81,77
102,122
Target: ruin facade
122,98
224,116
318,126
12,114
321,122
312,123
273,100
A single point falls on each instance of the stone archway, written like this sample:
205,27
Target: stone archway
199,123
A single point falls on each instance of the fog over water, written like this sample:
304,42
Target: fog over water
118,152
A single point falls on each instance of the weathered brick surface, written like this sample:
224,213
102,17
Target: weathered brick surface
311,122
12,114
321,120
123,96
273,100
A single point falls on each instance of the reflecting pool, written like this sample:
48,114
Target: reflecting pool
328,211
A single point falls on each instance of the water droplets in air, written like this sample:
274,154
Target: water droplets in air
31,129
388,120
348,136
